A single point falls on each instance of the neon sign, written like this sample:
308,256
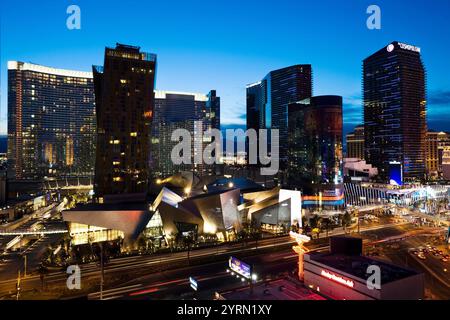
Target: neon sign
336,278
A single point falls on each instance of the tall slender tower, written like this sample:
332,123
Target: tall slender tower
394,90
124,102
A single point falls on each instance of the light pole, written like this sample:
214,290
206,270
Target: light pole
102,271
25,265
18,286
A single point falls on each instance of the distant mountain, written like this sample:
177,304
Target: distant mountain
3,144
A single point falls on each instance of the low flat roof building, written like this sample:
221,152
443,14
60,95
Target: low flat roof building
279,289
343,275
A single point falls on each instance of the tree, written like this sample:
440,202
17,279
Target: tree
346,220
255,232
315,223
42,272
326,223
188,241
242,235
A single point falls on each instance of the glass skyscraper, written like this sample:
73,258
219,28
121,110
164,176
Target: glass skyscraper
268,100
315,150
179,110
124,102
51,122
394,92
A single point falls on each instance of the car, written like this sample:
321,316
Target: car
421,256
444,260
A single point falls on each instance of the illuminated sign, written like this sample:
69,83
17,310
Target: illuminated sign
409,47
240,267
193,283
395,173
338,279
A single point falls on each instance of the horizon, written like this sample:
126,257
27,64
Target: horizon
232,52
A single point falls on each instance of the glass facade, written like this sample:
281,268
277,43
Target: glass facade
394,93
177,110
51,122
124,103
268,100
315,149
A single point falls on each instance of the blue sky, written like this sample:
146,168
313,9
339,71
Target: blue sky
224,45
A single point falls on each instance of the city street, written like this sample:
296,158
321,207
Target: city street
121,272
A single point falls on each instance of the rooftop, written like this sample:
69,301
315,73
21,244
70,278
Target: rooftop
280,289
126,206
357,266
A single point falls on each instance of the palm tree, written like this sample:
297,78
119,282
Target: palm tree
242,236
326,223
346,220
188,241
42,272
315,223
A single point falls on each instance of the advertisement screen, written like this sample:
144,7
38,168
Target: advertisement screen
240,267
395,173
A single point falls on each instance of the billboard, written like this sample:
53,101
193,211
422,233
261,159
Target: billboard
395,173
240,267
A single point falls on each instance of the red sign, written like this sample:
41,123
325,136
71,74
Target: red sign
338,279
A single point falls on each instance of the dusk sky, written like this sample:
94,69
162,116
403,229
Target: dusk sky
224,45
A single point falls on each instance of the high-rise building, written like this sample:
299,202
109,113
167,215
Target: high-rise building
394,90
446,163
315,150
355,143
51,122
179,110
124,102
268,100
213,109
436,142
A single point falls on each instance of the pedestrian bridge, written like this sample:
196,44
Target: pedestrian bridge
31,232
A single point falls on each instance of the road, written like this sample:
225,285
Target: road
124,270
210,277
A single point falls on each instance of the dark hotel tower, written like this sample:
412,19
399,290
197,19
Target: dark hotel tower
315,150
124,103
394,92
267,101
51,122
